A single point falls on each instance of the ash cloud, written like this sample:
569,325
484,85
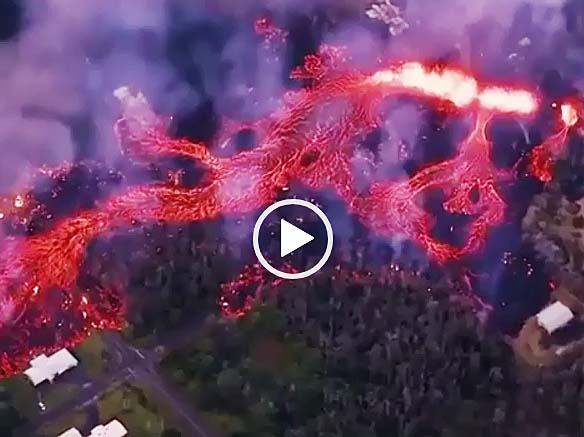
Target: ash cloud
59,72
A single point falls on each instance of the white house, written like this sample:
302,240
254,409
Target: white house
554,317
71,432
111,429
44,368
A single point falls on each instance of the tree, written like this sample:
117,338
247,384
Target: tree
171,432
10,418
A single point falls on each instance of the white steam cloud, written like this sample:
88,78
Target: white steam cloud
49,67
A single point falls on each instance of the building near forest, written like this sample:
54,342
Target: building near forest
554,317
46,368
71,432
115,428
111,429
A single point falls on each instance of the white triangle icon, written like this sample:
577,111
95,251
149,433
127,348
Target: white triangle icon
291,238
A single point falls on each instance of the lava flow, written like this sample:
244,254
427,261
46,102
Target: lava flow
542,157
310,140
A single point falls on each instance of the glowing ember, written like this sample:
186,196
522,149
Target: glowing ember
18,201
273,35
569,115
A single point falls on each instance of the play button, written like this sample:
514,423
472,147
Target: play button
293,237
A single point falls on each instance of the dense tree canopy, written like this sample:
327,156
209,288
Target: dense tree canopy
10,419
327,357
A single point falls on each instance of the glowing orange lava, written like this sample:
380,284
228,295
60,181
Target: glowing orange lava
309,141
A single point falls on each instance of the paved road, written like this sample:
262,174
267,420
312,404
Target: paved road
88,395
175,400
130,363
146,372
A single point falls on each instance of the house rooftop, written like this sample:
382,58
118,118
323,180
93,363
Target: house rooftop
46,368
554,317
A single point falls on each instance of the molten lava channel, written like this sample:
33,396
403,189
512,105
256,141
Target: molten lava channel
31,267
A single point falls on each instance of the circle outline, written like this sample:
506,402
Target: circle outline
329,234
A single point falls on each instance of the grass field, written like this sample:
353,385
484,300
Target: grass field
23,395
90,354
26,397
